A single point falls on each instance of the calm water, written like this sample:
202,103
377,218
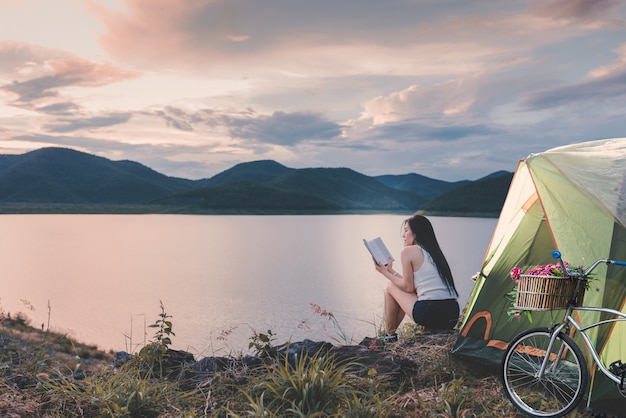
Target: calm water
100,278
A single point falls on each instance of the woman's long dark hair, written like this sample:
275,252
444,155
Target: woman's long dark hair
425,237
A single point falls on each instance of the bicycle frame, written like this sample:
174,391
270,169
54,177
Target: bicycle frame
569,320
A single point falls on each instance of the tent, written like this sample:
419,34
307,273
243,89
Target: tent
573,199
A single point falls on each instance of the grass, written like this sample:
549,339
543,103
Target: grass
45,374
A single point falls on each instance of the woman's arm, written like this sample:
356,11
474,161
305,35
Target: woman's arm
409,257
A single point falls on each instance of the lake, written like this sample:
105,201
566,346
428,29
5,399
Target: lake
101,278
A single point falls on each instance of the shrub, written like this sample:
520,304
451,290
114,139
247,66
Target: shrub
312,386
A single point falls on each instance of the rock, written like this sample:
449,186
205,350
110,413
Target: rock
210,365
307,347
120,358
252,361
22,382
82,374
177,359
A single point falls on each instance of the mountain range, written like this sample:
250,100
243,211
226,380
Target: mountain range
62,180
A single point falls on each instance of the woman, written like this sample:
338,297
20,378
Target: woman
425,290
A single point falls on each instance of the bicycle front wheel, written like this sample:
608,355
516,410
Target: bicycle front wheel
562,385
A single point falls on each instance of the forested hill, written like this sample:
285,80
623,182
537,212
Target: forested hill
53,180
60,175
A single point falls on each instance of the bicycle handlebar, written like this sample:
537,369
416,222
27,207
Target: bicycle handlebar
556,254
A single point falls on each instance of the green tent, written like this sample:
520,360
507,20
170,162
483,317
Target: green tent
572,199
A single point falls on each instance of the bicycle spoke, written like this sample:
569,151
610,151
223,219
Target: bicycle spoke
553,394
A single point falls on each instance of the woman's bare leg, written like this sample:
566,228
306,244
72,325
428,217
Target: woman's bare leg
398,303
392,312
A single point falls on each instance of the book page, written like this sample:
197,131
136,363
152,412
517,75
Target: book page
378,250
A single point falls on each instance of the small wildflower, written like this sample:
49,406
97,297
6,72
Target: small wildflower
223,336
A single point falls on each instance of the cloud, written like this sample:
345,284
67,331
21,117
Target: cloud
282,128
66,73
604,84
584,10
305,39
43,73
415,131
446,99
60,109
189,121
176,118
70,125
19,60
279,128
614,68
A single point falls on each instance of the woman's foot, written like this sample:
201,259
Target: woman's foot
391,338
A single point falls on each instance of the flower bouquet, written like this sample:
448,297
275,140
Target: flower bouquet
542,288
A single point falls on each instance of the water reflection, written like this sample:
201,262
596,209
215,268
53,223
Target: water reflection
220,277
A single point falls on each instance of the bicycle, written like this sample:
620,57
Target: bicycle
544,372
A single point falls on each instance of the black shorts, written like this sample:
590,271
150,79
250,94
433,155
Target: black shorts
436,314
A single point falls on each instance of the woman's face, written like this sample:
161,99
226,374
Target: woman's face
407,235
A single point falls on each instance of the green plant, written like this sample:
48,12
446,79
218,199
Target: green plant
262,343
122,394
364,405
257,408
312,386
452,398
366,399
410,329
152,359
164,331
140,388
19,322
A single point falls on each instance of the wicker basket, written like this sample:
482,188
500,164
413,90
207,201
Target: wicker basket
543,293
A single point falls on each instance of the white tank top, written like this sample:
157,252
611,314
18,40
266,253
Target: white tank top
428,284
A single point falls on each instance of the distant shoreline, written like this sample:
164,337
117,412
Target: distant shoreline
108,209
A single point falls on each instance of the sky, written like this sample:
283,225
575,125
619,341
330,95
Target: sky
449,89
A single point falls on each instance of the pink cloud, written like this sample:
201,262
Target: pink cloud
77,71
149,31
52,75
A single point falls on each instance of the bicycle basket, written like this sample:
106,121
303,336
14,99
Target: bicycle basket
543,293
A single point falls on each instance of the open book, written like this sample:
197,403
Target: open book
379,250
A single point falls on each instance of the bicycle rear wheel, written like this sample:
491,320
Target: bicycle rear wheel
561,387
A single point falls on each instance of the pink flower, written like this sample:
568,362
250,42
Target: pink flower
545,270
515,273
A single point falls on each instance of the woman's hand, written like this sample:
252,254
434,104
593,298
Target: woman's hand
381,268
